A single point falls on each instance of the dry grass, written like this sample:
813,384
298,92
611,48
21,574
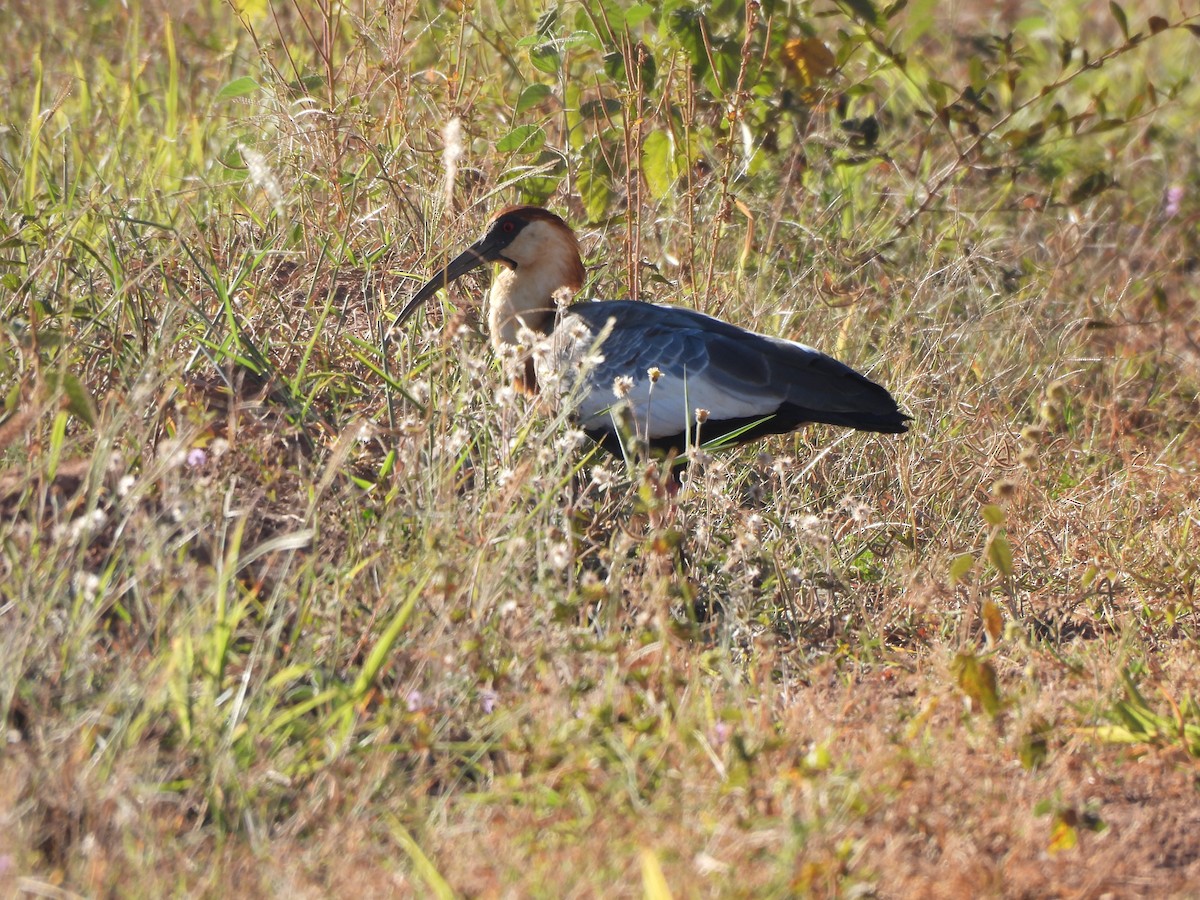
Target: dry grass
282,616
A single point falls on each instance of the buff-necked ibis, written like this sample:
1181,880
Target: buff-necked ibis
670,374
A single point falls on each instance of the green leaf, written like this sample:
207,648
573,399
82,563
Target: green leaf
523,138
595,188
686,24
1034,746
1093,184
1119,15
239,87
636,14
960,566
1000,555
993,514
533,95
79,401
614,66
658,163
547,21
863,10
545,58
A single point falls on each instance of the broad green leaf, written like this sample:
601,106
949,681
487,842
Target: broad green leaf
658,163
79,401
595,189
686,24
993,514
1000,555
239,87
960,566
524,138
636,14
533,95
918,20
545,58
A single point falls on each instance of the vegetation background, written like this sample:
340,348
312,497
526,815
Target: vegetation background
281,613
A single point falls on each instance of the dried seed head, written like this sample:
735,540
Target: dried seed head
1032,433
1004,487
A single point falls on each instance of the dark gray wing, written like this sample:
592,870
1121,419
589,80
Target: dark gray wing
737,376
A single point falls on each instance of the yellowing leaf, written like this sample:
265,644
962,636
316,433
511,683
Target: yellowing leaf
1062,837
977,679
808,59
654,883
993,621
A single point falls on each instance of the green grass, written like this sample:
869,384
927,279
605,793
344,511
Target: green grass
283,614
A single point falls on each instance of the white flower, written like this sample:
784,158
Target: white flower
87,584
603,478
559,556
570,439
622,385
505,395
125,485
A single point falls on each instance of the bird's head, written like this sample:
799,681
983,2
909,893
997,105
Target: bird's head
526,240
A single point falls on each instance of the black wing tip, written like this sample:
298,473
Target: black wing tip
892,422
885,423
897,424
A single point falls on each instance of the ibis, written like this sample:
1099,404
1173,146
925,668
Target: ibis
669,376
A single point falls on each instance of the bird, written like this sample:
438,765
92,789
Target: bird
669,377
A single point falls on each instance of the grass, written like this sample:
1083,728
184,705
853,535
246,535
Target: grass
283,614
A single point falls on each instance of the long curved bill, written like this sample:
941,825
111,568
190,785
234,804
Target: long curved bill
471,258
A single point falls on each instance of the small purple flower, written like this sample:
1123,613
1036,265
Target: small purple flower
1174,197
721,733
414,701
488,700
196,457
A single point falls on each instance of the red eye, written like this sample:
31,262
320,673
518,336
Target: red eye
508,227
